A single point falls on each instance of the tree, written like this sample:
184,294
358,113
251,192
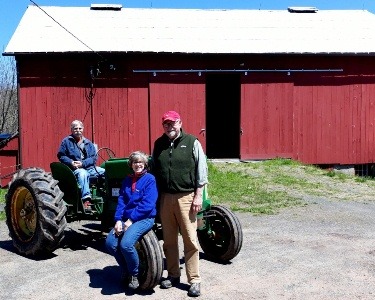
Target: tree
8,96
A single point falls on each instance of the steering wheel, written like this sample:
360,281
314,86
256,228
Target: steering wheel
103,154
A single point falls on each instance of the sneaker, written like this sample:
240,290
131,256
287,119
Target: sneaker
87,206
133,282
195,290
169,282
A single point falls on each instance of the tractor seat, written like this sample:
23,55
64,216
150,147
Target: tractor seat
61,171
69,186
67,181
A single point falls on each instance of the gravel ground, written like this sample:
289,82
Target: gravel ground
324,250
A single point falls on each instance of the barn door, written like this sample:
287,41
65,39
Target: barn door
266,116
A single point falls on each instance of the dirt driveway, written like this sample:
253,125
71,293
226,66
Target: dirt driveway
325,250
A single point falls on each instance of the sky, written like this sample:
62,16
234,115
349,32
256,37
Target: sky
12,11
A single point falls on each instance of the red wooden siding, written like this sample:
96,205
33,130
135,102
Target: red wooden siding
9,163
266,116
334,121
315,117
120,121
368,92
184,94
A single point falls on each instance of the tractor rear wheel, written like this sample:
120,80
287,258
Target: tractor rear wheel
35,212
150,261
221,240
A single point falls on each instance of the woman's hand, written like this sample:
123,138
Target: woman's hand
128,223
118,228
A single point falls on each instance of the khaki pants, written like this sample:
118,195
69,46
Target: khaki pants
176,216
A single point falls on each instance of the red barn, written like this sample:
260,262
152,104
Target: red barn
250,84
9,163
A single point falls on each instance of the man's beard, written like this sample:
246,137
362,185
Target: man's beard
172,134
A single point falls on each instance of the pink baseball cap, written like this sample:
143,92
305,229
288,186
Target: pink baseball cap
170,116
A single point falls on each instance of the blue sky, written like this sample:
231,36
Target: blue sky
12,11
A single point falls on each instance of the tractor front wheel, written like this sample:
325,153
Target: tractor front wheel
35,212
221,239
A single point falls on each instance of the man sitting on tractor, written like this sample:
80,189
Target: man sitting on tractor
79,154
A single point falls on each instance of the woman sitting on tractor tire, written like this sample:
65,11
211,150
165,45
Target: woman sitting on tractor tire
135,215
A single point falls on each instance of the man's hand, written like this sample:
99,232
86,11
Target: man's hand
76,164
196,206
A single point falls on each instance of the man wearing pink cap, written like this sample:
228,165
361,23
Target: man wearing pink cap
180,169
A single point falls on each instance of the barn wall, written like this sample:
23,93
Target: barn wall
114,112
334,118
315,117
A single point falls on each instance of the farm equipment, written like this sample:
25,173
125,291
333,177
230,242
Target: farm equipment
40,204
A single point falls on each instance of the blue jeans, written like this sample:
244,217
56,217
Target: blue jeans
122,247
83,179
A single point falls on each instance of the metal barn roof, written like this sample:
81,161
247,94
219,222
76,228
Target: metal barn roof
50,29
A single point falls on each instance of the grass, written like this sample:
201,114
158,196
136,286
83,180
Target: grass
266,187
2,201
234,186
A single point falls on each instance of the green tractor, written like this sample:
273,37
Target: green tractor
40,204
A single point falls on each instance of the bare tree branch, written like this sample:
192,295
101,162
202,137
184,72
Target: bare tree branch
8,95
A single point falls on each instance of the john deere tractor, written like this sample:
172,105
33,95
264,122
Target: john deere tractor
40,204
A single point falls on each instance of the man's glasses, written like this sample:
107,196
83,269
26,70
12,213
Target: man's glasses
170,124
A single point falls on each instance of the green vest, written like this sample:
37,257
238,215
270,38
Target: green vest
174,164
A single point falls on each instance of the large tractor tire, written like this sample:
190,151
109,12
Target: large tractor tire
150,261
35,212
221,240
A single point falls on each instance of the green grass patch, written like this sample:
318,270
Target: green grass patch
243,192
265,187
2,195
2,202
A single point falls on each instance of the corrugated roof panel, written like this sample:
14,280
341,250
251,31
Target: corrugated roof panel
192,31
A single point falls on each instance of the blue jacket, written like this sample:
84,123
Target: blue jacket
69,151
141,203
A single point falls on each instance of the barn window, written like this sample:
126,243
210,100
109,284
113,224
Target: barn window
106,7
302,9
